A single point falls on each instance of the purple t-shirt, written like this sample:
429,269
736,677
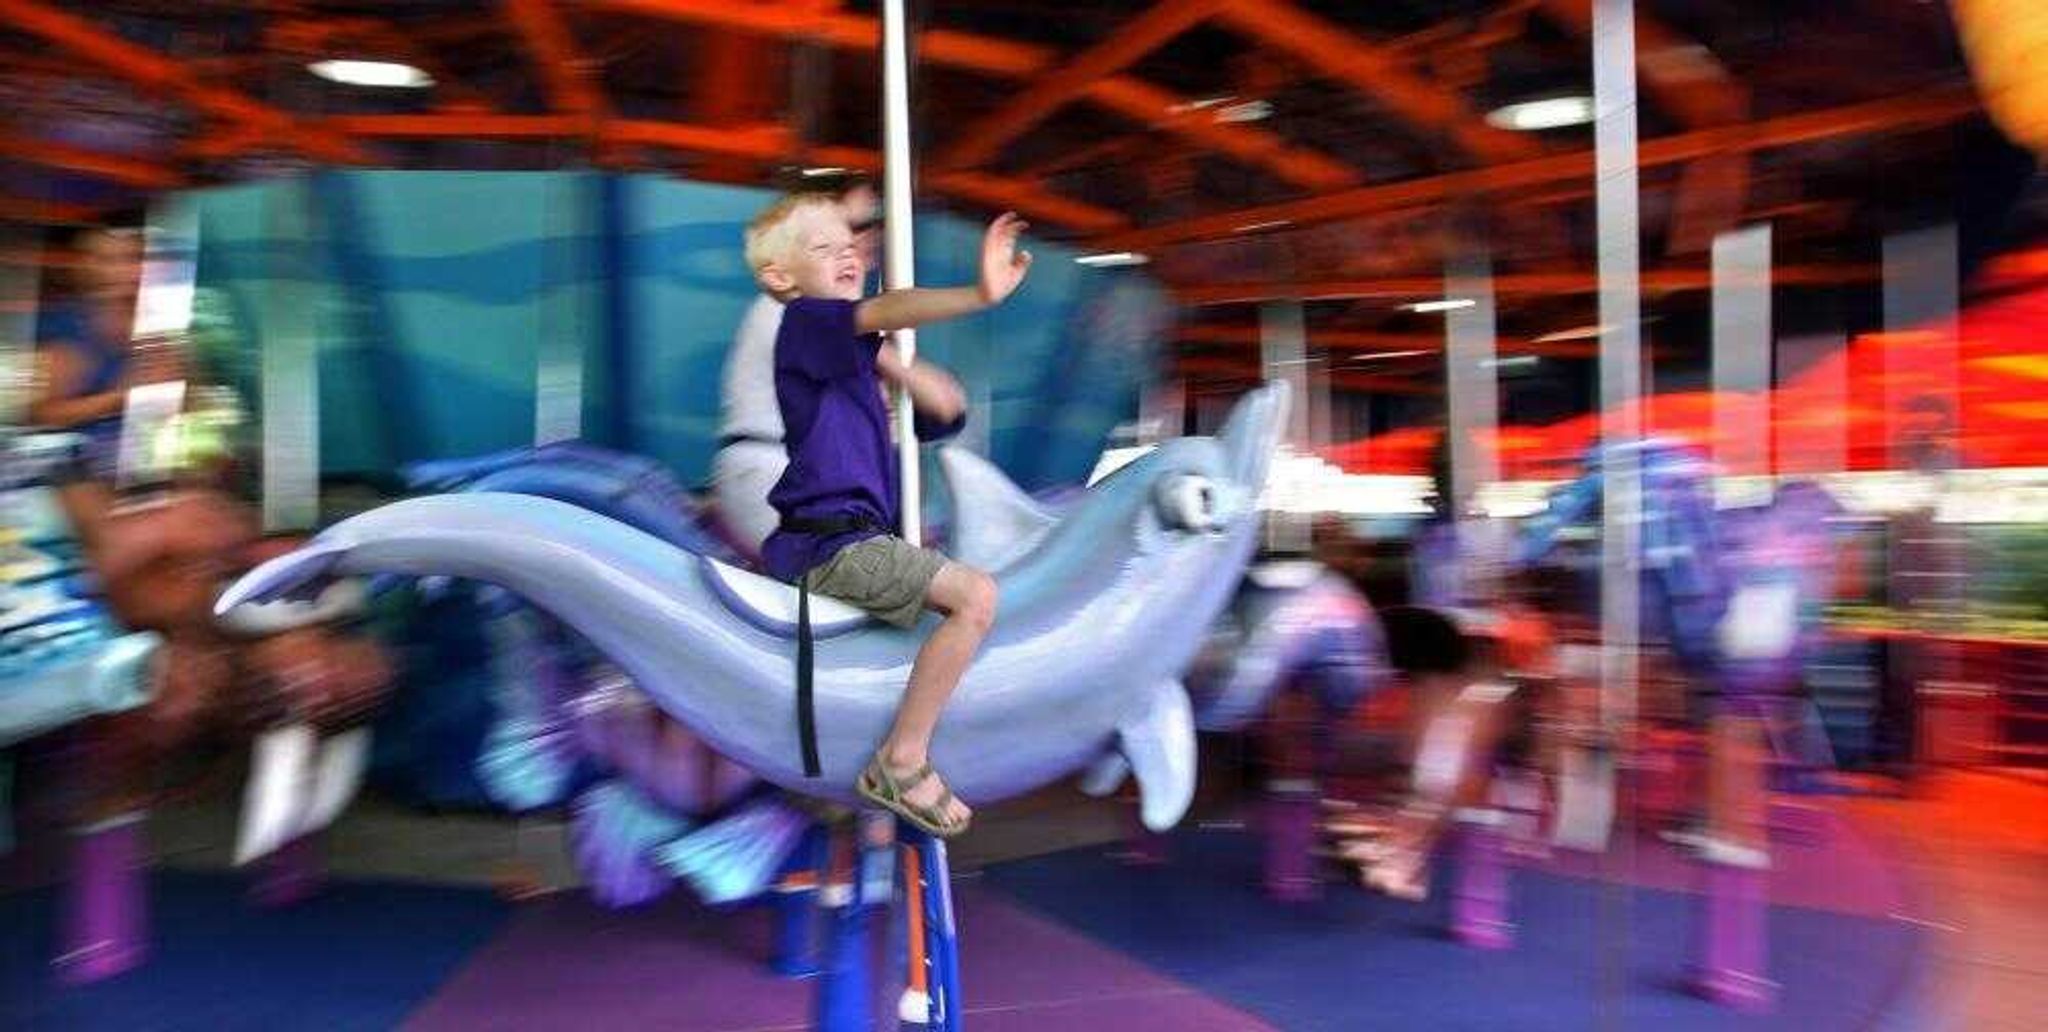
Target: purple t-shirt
842,464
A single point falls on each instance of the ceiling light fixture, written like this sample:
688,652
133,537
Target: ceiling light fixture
1249,111
1112,259
822,171
1548,113
388,75
1382,355
1449,304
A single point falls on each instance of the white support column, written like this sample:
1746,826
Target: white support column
1472,391
1283,351
290,363
1742,362
563,300
1621,367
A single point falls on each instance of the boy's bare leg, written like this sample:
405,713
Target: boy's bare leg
968,598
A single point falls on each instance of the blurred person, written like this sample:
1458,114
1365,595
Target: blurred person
1926,583
751,456
87,358
158,555
838,498
1462,715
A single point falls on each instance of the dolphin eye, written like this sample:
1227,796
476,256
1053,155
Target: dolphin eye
1189,502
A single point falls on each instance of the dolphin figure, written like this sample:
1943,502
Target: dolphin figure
1095,623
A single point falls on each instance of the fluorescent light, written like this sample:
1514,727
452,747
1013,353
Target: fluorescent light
1449,304
1549,113
1109,259
1254,227
822,171
1586,332
1249,111
376,74
1380,355
1515,362
1199,104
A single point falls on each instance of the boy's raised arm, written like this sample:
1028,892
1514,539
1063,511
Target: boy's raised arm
1002,269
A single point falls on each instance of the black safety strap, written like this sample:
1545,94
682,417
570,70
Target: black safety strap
806,709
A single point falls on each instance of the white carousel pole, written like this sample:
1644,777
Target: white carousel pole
899,269
932,978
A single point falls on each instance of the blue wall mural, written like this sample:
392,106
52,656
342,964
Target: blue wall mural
437,294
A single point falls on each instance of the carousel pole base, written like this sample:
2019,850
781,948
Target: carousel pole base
106,907
844,1001
1288,820
795,902
1734,934
292,875
1479,891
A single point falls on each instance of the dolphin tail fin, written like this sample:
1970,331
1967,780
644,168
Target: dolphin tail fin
739,856
1157,740
300,572
617,834
531,753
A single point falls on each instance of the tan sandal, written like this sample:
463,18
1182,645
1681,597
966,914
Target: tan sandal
881,788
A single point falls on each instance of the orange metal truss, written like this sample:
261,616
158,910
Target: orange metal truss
1341,55
1654,281
1146,104
1142,35
118,168
152,73
1931,107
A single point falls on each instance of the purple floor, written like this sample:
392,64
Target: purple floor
565,964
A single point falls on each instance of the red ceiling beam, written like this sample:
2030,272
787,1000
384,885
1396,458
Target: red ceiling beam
1004,59
992,191
1343,379
1669,281
1142,35
44,213
154,73
1931,107
1372,341
458,126
758,143
738,81
1340,54
116,168
570,78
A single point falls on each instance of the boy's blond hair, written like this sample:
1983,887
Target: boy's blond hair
775,235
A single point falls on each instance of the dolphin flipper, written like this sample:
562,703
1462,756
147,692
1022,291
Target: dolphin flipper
1106,776
286,576
1158,740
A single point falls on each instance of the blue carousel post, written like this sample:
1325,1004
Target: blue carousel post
795,902
933,877
845,997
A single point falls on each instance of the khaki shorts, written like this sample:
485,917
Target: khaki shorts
885,576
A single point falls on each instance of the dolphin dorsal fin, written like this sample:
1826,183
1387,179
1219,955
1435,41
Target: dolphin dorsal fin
1157,739
994,521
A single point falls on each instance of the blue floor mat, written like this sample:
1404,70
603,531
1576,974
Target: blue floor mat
359,956
1588,955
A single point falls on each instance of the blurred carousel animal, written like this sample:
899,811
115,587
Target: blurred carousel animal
281,670
566,727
